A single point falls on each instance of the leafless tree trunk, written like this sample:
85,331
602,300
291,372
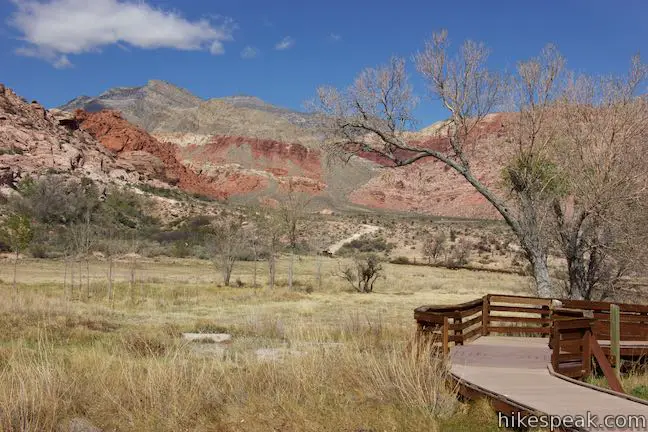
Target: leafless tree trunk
111,294
293,207
270,227
272,269
318,273
15,273
255,254
291,266
65,273
71,279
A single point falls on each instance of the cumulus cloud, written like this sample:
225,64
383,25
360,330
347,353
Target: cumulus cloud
55,29
249,52
285,43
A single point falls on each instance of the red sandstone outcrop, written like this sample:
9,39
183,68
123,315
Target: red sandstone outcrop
135,148
252,164
429,186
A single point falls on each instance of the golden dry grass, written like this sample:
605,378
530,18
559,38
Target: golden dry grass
341,361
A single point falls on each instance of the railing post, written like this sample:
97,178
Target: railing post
587,352
615,338
555,348
485,315
458,332
445,332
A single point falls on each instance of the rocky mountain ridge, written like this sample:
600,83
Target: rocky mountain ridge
245,148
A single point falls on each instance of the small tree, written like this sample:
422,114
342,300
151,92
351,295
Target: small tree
293,207
227,243
270,229
18,233
433,247
254,242
363,272
83,236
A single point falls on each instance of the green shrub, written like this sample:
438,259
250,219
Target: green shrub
640,392
401,260
366,245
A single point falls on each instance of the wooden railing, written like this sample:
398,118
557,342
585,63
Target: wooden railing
453,324
491,314
633,319
525,316
571,351
574,328
517,315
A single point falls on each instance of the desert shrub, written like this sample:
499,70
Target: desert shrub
640,391
124,210
180,249
144,344
366,245
483,245
11,151
363,273
39,250
208,326
485,260
458,254
400,260
55,199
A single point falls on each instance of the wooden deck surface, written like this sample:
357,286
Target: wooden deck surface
517,368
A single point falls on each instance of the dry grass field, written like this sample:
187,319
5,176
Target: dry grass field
311,359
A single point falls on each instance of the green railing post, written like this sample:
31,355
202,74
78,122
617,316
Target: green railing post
615,338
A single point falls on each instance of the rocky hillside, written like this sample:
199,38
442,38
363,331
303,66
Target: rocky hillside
249,149
34,141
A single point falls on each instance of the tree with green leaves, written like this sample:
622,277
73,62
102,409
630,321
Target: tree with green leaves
18,233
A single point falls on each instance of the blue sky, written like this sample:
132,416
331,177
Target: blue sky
280,51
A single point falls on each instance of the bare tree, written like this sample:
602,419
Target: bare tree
434,246
293,207
602,162
254,240
271,228
18,233
371,116
363,272
132,266
83,236
228,244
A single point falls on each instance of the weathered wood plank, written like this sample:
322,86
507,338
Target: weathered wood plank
519,309
520,330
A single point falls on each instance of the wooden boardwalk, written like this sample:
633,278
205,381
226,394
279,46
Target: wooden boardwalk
526,356
517,369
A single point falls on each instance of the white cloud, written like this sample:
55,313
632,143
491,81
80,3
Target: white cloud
285,43
335,37
55,29
249,52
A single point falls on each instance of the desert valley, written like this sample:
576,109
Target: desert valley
170,262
